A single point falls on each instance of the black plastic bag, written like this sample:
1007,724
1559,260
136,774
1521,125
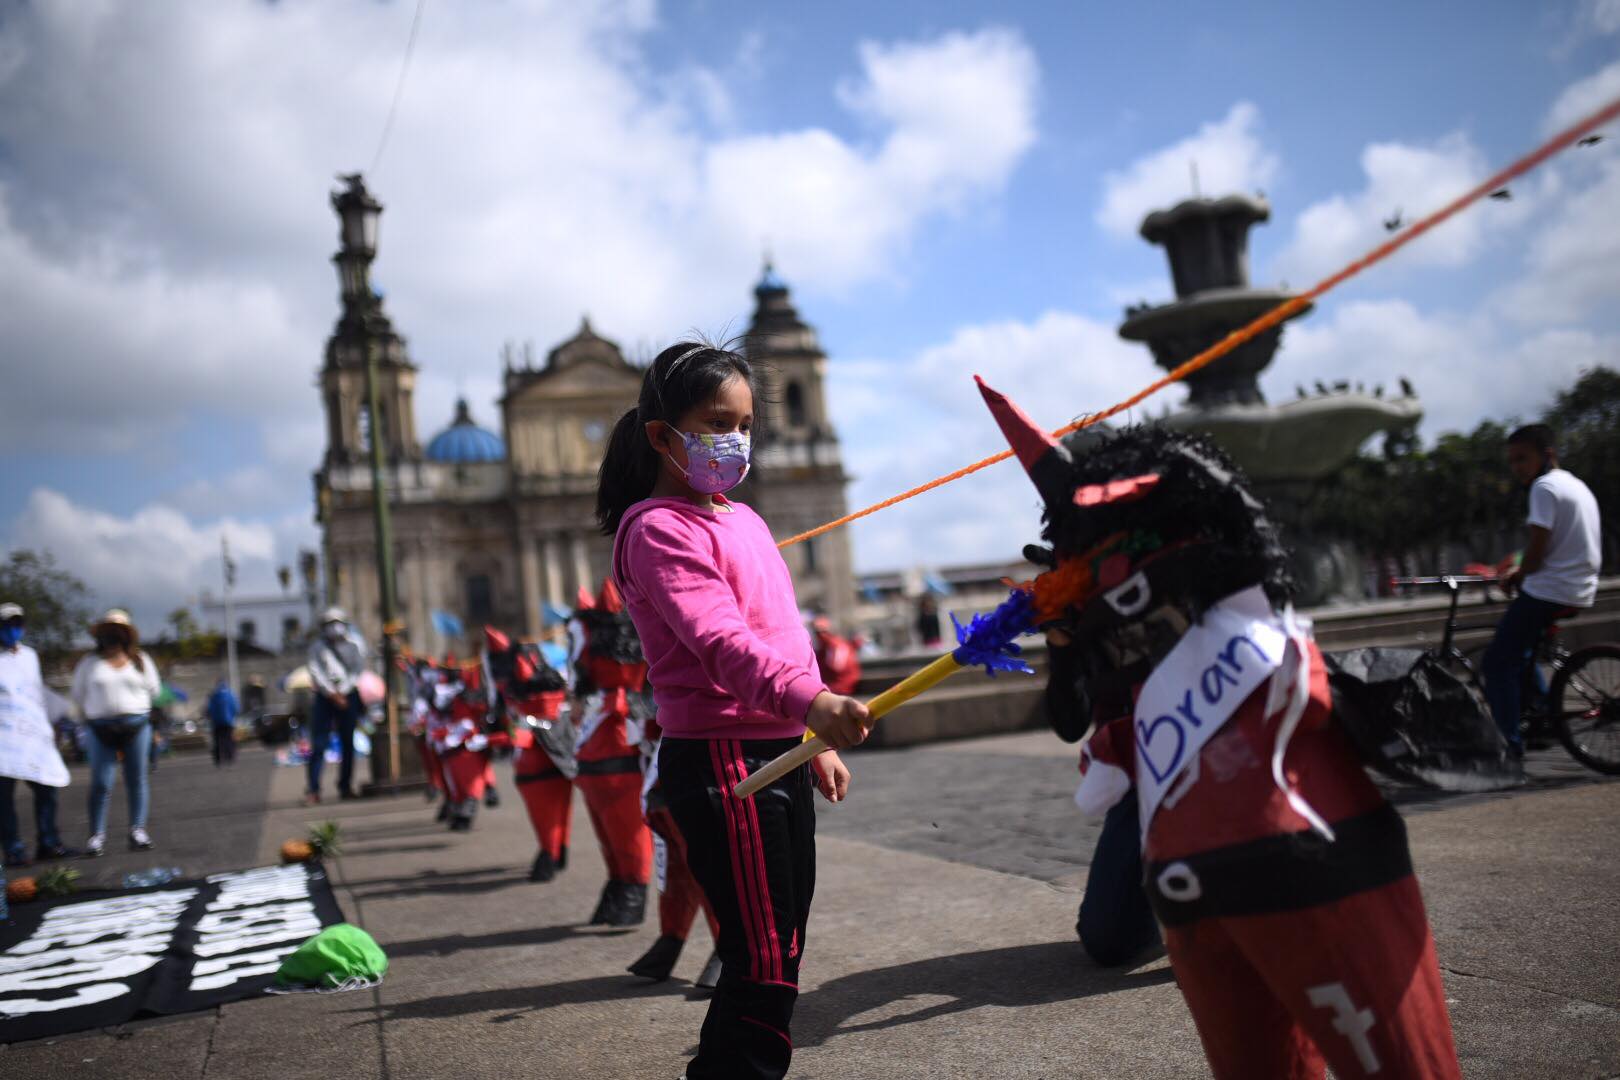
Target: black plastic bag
1413,720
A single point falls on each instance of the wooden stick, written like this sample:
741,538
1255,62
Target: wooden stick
892,698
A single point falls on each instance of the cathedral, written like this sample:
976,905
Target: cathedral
499,529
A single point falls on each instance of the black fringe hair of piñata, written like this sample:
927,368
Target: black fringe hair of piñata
611,635
1203,496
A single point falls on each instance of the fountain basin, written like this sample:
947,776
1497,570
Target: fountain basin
1300,440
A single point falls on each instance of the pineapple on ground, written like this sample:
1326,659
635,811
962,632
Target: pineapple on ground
57,881
323,841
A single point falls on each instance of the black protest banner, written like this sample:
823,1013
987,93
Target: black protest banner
99,959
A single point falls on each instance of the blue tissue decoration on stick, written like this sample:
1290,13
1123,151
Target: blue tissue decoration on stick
988,640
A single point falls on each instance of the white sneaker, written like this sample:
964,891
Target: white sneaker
97,845
138,840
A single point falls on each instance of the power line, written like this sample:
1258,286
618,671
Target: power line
399,87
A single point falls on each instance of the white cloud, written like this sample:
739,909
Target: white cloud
1572,256
156,559
1602,15
1409,181
920,417
1584,97
102,358
1466,367
956,114
164,239
1228,153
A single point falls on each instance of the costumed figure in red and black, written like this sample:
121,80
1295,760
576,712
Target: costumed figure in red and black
422,681
609,670
1279,873
680,897
534,695
464,732
837,657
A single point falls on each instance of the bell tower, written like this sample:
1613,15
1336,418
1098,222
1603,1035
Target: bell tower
798,479
364,325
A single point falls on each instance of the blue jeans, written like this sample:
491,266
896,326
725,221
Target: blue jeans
1116,922
323,718
11,841
132,735
1504,661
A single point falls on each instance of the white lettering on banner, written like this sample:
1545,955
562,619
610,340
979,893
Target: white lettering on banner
213,974
256,908
1349,1021
71,973
85,995
154,943
260,886
94,948
1196,688
289,931
225,924
159,915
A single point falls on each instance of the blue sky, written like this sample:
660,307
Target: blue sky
949,188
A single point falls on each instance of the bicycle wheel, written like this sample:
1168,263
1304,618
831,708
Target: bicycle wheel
1586,698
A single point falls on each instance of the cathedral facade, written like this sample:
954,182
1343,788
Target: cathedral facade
499,529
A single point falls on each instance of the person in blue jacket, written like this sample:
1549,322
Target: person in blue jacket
222,710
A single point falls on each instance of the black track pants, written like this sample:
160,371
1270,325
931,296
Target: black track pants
756,862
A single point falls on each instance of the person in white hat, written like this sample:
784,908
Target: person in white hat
337,659
27,746
114,687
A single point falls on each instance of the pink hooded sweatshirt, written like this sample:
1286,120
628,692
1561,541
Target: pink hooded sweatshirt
727,654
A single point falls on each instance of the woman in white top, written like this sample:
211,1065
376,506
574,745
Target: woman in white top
114,687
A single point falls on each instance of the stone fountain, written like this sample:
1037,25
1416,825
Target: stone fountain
1286,449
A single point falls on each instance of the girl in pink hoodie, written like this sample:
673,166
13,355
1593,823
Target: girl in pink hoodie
735,679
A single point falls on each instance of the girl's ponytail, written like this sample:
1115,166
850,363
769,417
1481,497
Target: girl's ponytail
629,471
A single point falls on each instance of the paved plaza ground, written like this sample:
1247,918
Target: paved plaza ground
941,943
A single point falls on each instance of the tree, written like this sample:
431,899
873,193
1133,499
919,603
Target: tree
56,604
1412,501
190,640
1587,419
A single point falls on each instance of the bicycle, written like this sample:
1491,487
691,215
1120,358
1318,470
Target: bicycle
1574,696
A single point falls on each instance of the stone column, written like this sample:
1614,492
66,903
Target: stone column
529,563
552,557
582,562
414,572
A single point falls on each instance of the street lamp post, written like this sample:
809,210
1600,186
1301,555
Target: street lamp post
357,214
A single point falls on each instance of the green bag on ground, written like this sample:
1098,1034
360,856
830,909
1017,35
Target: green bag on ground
341,957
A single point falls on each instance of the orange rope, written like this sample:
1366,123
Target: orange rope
1271,318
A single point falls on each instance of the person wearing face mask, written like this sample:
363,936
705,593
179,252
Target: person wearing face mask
114,687
337,659
734,677
27,746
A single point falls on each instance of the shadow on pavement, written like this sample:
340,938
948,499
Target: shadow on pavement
434,884
1011,977
395,849
514,1002
451,944
1020,975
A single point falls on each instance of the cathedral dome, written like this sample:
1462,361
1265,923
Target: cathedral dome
464,442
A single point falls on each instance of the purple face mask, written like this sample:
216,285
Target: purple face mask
715,463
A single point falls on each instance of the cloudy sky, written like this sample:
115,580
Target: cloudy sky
948,187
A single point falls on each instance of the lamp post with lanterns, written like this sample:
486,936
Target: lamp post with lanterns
357,215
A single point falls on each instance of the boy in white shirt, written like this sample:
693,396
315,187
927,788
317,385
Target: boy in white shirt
1558,571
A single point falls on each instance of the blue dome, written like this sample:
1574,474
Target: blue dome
769,282
464,442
